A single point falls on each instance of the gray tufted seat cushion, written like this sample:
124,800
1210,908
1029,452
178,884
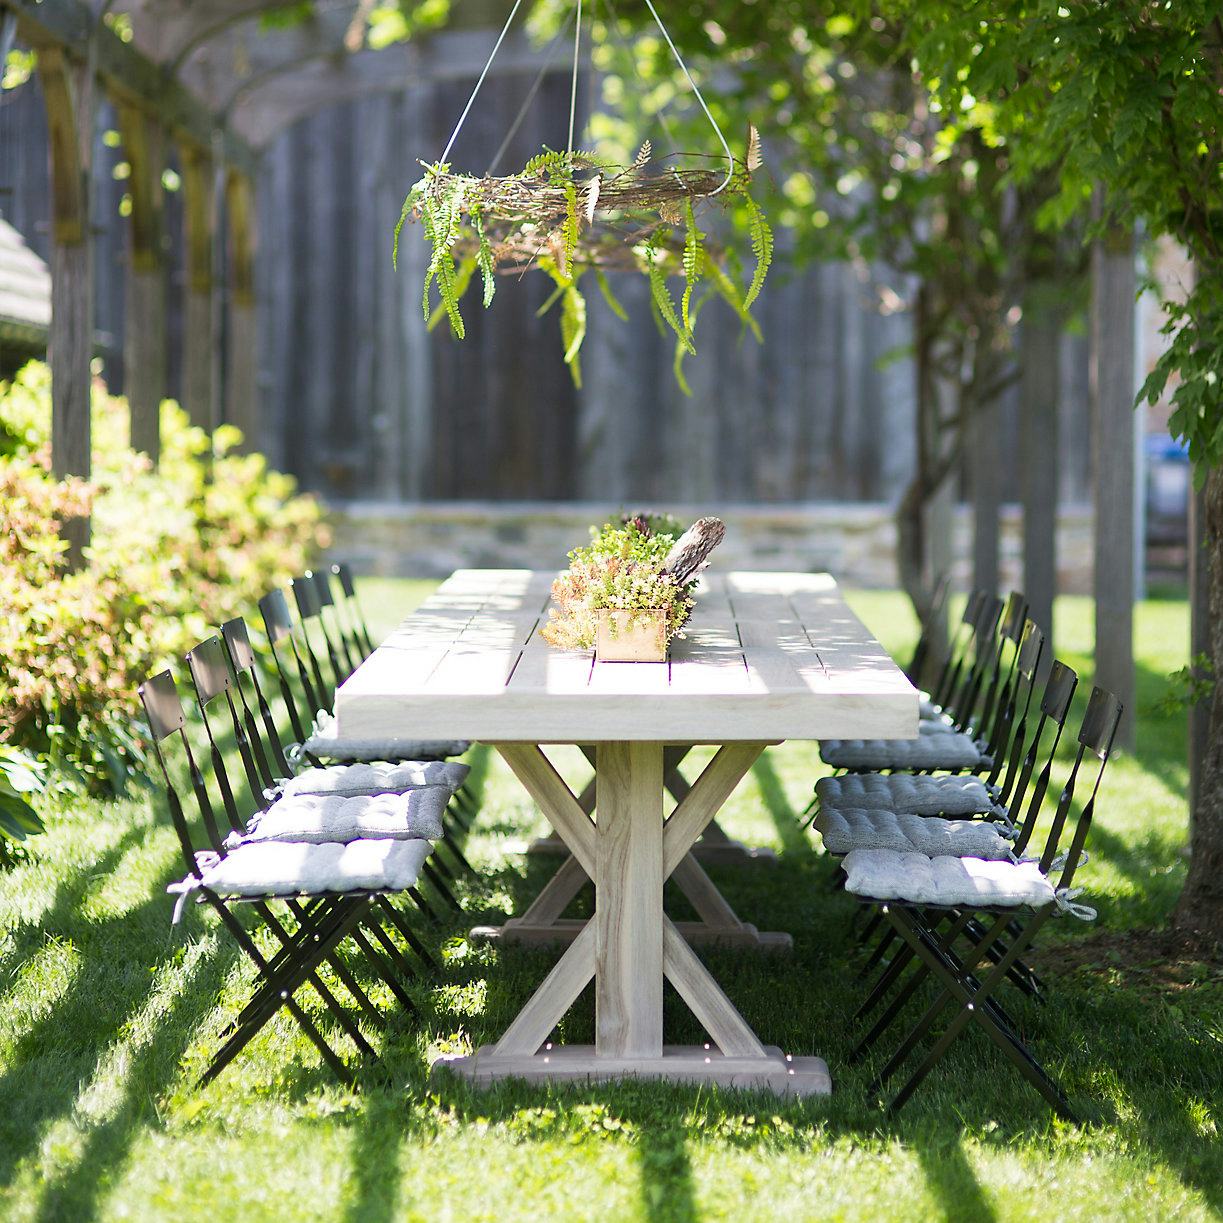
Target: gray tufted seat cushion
885,874
381,777
285,869
326,744
413,815
918,795
932,749
847,830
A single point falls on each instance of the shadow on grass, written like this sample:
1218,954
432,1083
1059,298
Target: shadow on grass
951,1178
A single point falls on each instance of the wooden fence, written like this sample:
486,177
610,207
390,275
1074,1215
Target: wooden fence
359,401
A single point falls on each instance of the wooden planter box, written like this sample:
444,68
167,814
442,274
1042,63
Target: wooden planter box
632,636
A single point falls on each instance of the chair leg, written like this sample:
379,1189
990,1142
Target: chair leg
1006,1040
400,922
280,995
896,965
439,886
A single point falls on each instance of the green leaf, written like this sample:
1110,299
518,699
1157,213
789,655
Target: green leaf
762,248
613,302
18,819
693,258
662,295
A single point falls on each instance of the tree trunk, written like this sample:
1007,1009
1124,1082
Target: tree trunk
1201,904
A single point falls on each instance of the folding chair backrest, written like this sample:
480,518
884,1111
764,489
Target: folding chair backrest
962,704
337,648
1013,710
344,617
1096,737
997,710
930,625
279,627
349,587
164,712
1054,709
212,679
949,677
269,746
309,612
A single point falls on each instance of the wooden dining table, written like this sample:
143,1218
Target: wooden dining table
766,657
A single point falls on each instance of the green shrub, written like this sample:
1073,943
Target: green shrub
21,777
175,551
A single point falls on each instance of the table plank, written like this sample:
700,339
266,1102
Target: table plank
767,656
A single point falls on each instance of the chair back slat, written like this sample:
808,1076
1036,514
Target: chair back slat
1053,714
209,669
337,650
305,594
274,608
242,658
360,628
1011,719
164,709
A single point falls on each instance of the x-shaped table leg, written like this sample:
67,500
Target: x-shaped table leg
630,946
716,924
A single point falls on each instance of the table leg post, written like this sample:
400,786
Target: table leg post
628,901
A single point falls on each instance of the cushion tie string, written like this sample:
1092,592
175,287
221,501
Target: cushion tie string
1064,899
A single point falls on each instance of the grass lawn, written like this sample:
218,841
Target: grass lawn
107,1017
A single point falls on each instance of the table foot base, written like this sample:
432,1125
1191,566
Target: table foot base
713,853
775,1072
517,933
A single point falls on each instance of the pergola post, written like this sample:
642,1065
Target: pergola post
145,333
242,390
1114,286
68,96
199,338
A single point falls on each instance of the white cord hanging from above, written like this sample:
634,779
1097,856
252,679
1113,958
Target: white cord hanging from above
573,87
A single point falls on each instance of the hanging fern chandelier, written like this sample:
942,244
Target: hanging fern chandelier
573,212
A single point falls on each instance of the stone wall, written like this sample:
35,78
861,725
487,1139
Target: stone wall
855,542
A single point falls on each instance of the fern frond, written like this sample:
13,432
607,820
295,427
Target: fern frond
613,302
677,361
693,259
570,228
484,256
573,329
755,158
462,279
551,299
762,248
662,296
592,199
725,285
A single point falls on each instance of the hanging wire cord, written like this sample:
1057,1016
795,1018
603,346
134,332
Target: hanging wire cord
573,90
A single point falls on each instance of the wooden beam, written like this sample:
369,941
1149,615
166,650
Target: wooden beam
68,97
128,75
145,363
1114,286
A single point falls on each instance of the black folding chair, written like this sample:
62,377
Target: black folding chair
321,920
968,979
212,678
1024,813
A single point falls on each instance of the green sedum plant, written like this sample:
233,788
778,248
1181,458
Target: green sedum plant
621,569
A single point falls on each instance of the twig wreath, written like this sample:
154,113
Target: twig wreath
573,212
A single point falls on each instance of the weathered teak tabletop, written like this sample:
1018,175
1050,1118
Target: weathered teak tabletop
768,656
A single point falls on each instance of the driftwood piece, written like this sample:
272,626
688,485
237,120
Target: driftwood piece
691,551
